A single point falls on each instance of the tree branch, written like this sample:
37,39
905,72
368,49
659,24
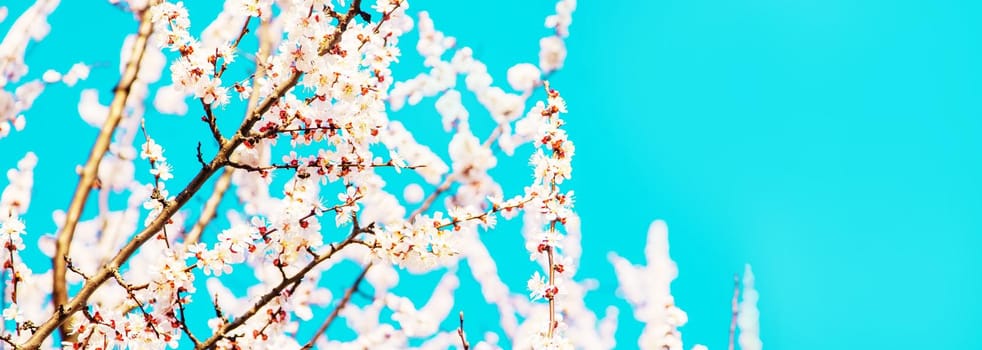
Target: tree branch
275,292
211,206
91,168
212,122
64,311
337,309
460,332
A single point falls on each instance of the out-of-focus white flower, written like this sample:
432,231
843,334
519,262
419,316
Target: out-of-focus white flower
523,76
748,316
170,100
648,289
13,312
413,193
79,71
51,76
552,53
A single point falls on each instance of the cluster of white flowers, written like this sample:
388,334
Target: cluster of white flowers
197,70
32,25
397,138
161,171
420,245
552,49
551,208
748,316
14,201
16,197
648,289
503,106
317,110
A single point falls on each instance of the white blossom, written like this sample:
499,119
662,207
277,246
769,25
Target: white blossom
748,316
313,113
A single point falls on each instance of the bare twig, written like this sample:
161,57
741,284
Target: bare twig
552,283
201,158
242,34
212,123
71,267
337,309
7,338
460,332
184,321
211,206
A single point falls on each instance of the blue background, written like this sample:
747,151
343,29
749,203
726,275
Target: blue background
832,144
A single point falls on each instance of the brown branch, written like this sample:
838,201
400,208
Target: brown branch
15,277
212,122
238,139
201,157
552,281
184,321
483,216
71,267
211,206
235,44
308,129
337,309
7,338
460,332
90,170
223,183
64,311
129,291
272,294
262,168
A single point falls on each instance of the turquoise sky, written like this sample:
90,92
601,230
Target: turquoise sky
832,144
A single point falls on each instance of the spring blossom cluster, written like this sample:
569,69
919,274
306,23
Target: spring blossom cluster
293,186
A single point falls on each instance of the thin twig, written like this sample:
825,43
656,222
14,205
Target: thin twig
71,267
184,321
460,332
211,206
337,309
201,158
7,338
269,296
242,34
212,122
129,291
262,168
552,283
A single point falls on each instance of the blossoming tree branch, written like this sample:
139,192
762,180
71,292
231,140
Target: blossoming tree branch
310,155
